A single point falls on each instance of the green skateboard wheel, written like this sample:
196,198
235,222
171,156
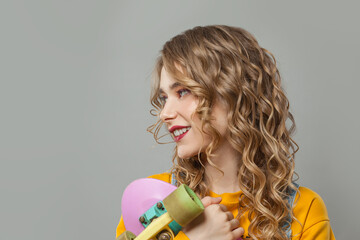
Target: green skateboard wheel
183,205
127,235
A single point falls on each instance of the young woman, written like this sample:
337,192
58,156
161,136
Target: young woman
219,95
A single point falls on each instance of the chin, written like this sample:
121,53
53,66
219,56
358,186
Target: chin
184,154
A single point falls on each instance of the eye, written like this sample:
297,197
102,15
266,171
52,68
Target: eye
183,92
162,99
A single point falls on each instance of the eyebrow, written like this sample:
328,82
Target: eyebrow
172,86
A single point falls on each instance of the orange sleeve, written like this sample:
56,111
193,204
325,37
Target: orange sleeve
311,211
321,230
120,228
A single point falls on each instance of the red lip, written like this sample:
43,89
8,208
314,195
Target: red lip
177,138
173,128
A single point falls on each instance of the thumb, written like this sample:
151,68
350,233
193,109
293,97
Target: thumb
207,201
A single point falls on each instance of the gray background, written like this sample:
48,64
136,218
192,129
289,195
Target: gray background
74,103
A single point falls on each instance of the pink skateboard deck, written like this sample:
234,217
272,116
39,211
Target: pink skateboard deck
138,197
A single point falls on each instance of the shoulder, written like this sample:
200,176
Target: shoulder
310,202
166,177
309,208
312,216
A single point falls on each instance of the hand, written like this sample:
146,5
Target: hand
215,223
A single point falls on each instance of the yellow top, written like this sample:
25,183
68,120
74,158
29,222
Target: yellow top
310,210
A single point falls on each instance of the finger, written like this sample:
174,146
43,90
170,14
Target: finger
223,207
229,215
238,232
234,223
207,201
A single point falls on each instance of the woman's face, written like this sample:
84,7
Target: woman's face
178,115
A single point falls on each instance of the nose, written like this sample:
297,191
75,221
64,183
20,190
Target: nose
169,112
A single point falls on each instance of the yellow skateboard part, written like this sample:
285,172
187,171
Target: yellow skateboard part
183,205
155,227
127,235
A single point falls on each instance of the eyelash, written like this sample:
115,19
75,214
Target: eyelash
162,99
181,93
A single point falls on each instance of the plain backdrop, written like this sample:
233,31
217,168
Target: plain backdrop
74,103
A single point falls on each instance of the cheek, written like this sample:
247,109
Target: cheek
189,106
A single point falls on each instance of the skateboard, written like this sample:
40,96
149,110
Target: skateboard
153,209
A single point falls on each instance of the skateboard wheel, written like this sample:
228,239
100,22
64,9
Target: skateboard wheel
165,235
127,235
183,205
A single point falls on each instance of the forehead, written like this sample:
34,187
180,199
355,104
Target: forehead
167,82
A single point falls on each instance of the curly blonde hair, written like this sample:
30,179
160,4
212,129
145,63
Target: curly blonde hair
227,63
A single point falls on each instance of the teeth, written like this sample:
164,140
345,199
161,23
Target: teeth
180,131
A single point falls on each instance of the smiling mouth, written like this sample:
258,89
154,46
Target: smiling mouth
180,133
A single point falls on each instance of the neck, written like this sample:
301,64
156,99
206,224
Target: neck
227,160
